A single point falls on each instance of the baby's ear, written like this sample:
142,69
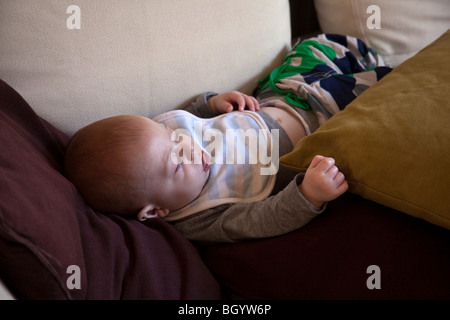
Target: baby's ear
150,211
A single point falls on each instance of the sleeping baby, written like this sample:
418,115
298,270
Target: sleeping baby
206,169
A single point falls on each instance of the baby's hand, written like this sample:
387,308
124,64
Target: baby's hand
233,100
322,182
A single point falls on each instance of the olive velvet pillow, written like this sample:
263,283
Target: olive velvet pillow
392,142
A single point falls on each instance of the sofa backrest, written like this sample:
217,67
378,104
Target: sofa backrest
78,63
395,29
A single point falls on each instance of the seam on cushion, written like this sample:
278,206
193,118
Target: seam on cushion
11,235
300,170
432,212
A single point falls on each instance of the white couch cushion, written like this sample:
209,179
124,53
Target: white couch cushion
135,57
5,294
406,26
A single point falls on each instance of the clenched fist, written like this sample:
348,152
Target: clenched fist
323,181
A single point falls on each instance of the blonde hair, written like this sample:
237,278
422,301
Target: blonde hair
104,160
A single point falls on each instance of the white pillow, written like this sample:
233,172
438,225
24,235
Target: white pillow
136,57
406,26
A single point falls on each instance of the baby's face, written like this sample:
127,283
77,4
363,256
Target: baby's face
179,169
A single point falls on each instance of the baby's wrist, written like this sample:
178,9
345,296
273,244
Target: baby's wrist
316,203
211,105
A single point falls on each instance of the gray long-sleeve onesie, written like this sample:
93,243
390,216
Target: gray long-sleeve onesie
283,211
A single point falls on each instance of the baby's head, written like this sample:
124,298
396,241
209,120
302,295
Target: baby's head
125,165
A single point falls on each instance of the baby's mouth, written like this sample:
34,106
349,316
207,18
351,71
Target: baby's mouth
206,161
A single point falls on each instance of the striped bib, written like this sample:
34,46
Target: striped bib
244,157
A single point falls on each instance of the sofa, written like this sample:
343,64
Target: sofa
64,65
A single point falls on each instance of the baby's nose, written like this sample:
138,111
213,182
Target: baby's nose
196,153
187,153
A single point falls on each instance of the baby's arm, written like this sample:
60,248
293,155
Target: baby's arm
297,204
284,212
211,104
323,181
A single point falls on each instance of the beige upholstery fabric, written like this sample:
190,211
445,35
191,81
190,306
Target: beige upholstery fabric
405,26
135,57
5,294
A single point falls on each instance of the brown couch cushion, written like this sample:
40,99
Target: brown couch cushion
329,257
